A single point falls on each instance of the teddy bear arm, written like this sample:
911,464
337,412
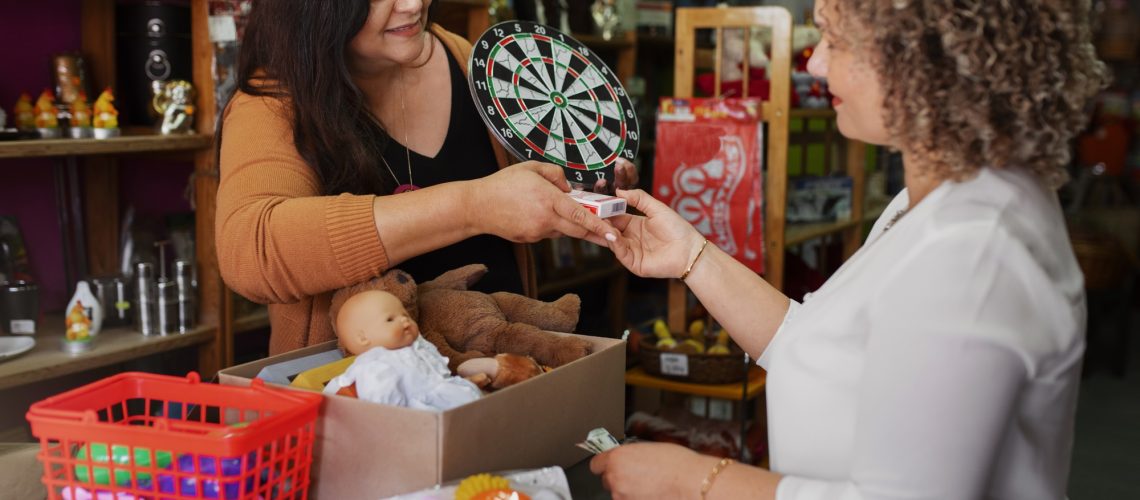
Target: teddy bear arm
560,315
548,348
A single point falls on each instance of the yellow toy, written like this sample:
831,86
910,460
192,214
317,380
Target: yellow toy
80,111
106,116
316,379
45,111
23,114
78,324
697,328
664,338
721,346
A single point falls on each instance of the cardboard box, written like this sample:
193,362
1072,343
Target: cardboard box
367,450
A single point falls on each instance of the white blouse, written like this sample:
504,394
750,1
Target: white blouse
942,360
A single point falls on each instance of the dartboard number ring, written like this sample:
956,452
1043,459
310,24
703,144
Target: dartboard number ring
550,98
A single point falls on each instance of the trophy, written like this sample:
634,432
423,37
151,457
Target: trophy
605,16
175,104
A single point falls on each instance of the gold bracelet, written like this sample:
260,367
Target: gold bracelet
706,485
694,262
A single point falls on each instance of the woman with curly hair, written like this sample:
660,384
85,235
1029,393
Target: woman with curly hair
942,360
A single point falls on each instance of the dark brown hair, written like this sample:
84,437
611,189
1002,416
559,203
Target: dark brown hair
295,50
1000,83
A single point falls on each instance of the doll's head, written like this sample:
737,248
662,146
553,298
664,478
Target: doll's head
374,318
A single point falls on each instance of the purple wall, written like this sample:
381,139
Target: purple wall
30,33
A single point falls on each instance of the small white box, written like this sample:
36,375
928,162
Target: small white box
600,204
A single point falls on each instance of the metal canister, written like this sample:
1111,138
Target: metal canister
145,304
187,295
167,307
114,296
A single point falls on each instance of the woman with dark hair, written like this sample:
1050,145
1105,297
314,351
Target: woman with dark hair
943,359
352,146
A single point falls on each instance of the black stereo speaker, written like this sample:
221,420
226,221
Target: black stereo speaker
152,44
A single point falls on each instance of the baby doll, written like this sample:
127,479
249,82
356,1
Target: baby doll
394,364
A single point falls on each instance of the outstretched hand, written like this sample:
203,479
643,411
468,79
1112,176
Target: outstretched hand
527,202
657,245
651,470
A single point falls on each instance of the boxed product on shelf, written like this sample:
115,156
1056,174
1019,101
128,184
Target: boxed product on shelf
138,435
819,199
368,450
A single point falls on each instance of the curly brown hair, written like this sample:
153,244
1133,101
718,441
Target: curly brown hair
974,83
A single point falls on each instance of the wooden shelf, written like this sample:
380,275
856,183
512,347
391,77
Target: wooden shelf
255,320
118,145
820,113
656,41
48,359
798,233
619,41
757,379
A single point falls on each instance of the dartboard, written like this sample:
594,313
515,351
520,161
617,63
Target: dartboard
548,97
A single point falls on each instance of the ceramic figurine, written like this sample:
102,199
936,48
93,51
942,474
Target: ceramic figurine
78,323
106,117
80,117
23,114
176,105
89,305
46,114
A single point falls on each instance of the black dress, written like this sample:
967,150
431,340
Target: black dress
466,154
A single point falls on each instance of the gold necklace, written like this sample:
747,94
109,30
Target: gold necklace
411,185
891,223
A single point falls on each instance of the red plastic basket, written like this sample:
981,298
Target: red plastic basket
145,436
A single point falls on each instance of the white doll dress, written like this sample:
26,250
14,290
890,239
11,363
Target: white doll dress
415,377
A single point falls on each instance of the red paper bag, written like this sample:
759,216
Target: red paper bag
708,169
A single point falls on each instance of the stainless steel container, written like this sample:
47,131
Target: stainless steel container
187,295
145,305
167,307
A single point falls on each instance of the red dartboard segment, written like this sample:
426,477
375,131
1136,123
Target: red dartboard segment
548,97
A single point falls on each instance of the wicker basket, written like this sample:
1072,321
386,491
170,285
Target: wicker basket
701,368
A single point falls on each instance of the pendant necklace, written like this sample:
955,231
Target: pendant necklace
891,223
411,185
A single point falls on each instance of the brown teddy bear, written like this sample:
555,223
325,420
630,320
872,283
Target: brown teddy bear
464,324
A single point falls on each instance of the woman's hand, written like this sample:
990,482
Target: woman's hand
527,202
660,244
651,470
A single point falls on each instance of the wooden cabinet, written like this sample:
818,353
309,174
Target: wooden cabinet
97,206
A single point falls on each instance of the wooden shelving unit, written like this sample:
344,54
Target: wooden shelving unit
799,233
97,204
757,378
128,144
48,360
